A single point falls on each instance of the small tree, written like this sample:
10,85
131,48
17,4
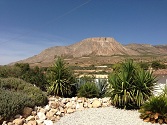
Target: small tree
61,79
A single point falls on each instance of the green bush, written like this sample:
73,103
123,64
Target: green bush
130,86
88,90
157,65
61,79
23,71
10,71
155,109
17,85
144,65
12,103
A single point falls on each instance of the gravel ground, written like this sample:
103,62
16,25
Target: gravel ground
103,116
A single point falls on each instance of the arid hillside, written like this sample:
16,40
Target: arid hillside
97,51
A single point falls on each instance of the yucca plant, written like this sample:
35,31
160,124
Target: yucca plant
130,86
155,109
88,90
60,78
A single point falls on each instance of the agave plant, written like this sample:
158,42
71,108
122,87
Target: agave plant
103,86
60,79
130,86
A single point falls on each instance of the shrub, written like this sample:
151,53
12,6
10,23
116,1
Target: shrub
23,71
88,90
155,109
12,103
144,65
61,79
130,86
157,65
17,85
10,71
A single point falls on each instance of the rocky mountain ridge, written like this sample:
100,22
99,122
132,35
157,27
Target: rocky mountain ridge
94,47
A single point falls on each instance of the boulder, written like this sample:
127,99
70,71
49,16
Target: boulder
69,105
32,123
18,121
54,104
90,105
58,113
47,107
39,122
30,118
96,104
34,113
61,109
69,110
27,111
48,122
10,123
51,113
41,116
79,106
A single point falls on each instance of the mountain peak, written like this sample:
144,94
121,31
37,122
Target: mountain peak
100,39
91,47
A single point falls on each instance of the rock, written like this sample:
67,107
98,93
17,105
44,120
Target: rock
39,122
96,104
41,115
43,110
79,106
58,117
81,100
47,107
105,104
30,118
61,109
18,116
90,105
27,111
34,113
58,113
54,104
73,99
32,123
64,101
48,122
10,123
105,99
69,110
53,119
69,105
85,104
51,98
18,121
51,113
4,123
61,104
73,106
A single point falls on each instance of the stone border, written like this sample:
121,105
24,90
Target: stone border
56,108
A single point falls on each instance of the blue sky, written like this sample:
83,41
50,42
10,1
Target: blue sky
29,26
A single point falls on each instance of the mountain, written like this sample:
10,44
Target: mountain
94,50
147,49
